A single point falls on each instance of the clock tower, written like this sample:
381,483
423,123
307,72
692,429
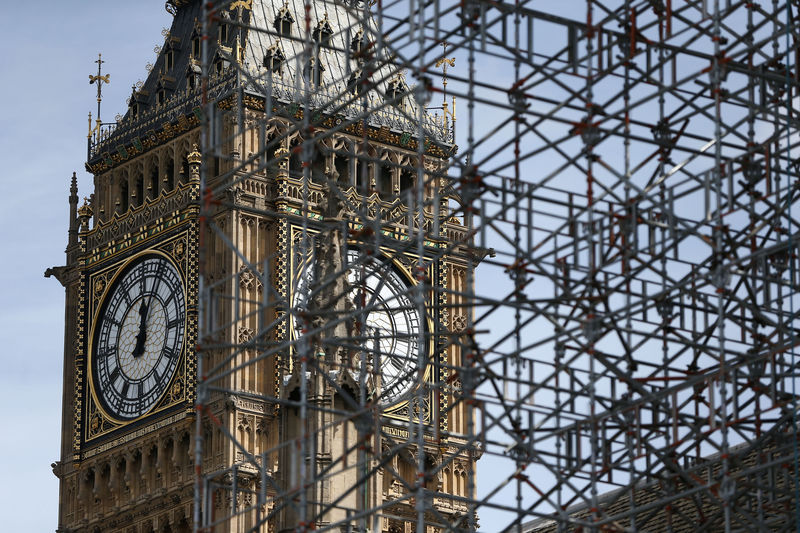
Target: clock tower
263,317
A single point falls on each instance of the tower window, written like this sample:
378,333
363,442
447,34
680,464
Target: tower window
222,32
355,84
184,176
169,59
162,96
362,176
313,72
196,46
323,32
396,90
274,58
138,193
193,75
133,103
154,185
284,20
385,179
169,176
318,168
123,196
295,164
359,43
284,27
342,165
406,180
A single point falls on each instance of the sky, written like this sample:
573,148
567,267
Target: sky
50,48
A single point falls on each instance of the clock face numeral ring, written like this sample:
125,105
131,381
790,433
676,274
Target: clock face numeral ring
138,337
392,321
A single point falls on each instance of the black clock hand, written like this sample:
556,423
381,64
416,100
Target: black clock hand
142,335
156,285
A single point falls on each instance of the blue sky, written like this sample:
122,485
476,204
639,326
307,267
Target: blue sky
49,51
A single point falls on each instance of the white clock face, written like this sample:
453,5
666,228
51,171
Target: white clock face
391,317
139,337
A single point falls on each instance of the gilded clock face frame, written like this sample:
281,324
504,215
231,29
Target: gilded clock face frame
138,337
392,319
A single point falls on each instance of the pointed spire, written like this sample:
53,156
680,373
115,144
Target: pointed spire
73,212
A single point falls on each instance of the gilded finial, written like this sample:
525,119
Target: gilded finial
449,115
239,51
399,77
99,79
444,61
85,209
84,214
194,157
246,4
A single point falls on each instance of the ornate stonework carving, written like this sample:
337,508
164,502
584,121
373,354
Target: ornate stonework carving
459,323
249,281
245,335
178,249
99,285
244,423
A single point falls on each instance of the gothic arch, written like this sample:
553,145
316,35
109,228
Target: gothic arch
386,180
342,156
153,173
182,149
364,174
123,191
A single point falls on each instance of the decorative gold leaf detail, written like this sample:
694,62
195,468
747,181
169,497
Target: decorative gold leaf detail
99,286
179,249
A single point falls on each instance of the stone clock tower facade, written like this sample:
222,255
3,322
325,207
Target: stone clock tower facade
299,250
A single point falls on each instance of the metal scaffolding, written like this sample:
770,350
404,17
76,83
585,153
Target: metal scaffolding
622,183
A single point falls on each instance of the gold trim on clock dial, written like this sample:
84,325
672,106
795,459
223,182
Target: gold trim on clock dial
383,295
138,337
